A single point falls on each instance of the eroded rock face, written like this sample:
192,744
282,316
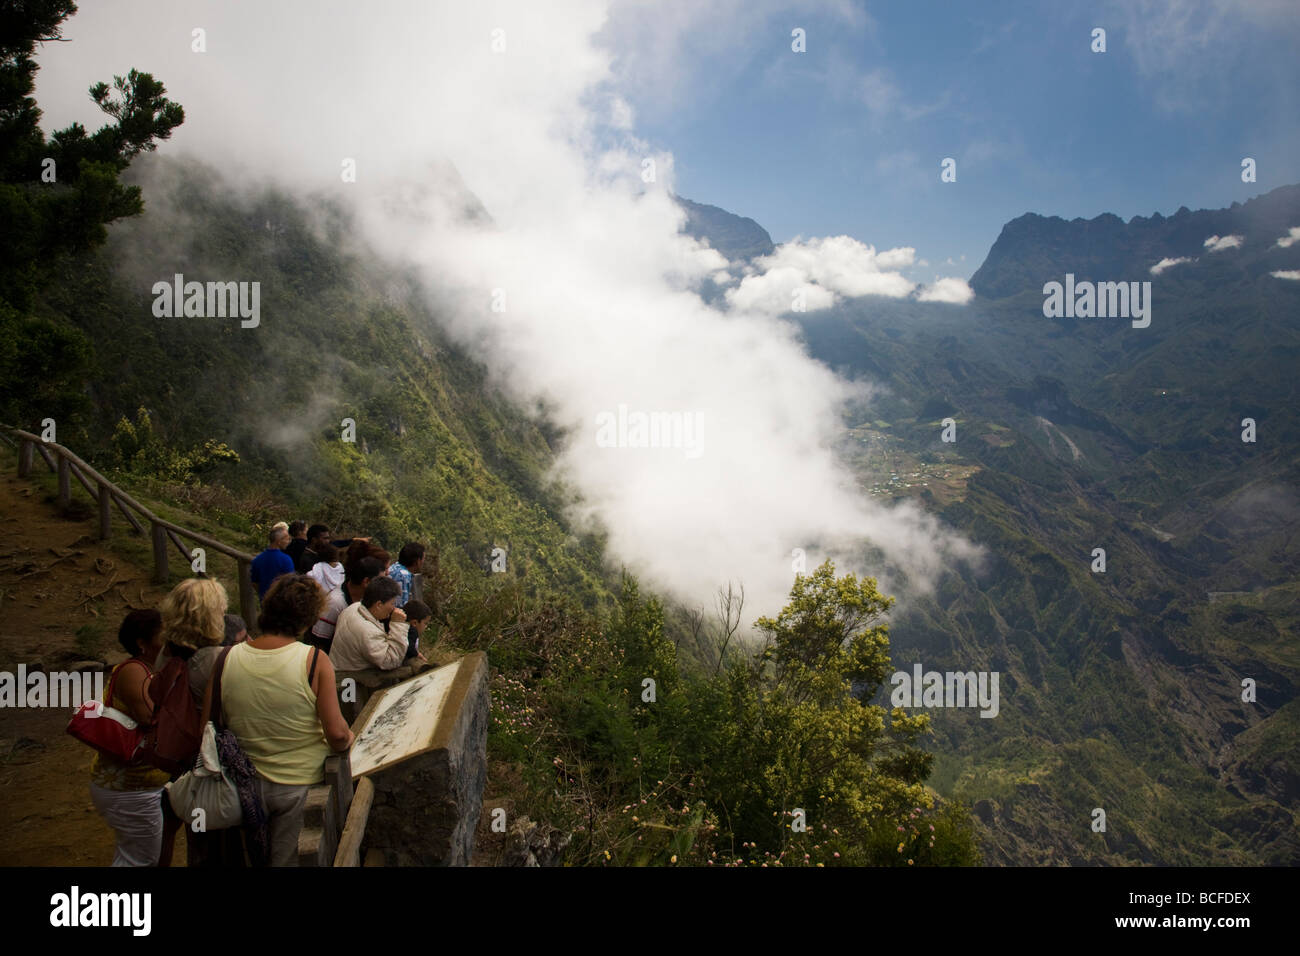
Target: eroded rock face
430,778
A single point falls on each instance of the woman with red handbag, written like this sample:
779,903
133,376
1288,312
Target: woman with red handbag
129,796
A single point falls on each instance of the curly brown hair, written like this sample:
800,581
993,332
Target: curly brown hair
292,605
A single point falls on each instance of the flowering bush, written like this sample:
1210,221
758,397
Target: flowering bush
771,761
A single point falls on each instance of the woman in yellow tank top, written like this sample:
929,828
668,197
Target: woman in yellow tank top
285,722
129,796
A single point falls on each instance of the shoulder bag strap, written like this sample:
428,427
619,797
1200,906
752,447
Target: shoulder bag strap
112,681
216,714
311,671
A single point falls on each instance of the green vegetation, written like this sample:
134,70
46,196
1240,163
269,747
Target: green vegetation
770,759
348,404
1121,689
56,196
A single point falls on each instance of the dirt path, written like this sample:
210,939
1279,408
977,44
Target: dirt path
49,564
62,595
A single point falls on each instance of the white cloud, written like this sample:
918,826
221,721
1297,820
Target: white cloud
600,283
824,268
773,292
678,55
1291,238
1293,274
1219,243
621,115
951,290
1185,48
878,93
1168,263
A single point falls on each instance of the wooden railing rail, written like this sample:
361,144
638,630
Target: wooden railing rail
68,466
330,813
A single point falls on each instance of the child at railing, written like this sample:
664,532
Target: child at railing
417,619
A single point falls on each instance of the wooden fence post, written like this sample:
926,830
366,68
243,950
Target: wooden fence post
105,512
247,598
106,494
159,554
354,828
338,774
65,483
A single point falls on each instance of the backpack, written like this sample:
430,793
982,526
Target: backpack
172,741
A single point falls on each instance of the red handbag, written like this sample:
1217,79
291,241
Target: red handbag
107,729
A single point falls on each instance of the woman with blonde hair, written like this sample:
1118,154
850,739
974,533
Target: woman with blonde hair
193,629
194,626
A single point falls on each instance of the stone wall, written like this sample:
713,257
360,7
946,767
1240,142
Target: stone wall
425,750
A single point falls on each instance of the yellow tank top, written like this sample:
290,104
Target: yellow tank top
271,708
112,774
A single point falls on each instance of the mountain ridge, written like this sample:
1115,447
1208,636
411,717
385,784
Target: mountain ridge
1122,684
736,237
1033,248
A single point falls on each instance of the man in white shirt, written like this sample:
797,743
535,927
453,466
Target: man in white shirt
360,641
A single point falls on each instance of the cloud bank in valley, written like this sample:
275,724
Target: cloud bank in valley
1220,243
818,273
1290,239
581,290
1168,263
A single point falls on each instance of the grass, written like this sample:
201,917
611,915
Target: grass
136,548
89,639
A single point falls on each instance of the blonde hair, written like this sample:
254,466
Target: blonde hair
193,614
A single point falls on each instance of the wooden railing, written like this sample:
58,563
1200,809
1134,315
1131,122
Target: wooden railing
69,466
325,813
335,816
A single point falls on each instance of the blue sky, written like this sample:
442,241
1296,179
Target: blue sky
843,139
848,137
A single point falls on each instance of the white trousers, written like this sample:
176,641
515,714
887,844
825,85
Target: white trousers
137,819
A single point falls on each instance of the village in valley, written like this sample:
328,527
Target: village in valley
890,467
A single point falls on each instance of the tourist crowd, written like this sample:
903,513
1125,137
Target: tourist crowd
326,604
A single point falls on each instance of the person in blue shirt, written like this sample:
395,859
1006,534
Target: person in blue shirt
272,562
410,560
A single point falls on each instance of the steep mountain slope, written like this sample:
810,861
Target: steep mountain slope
1121,690
435,451
736,237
